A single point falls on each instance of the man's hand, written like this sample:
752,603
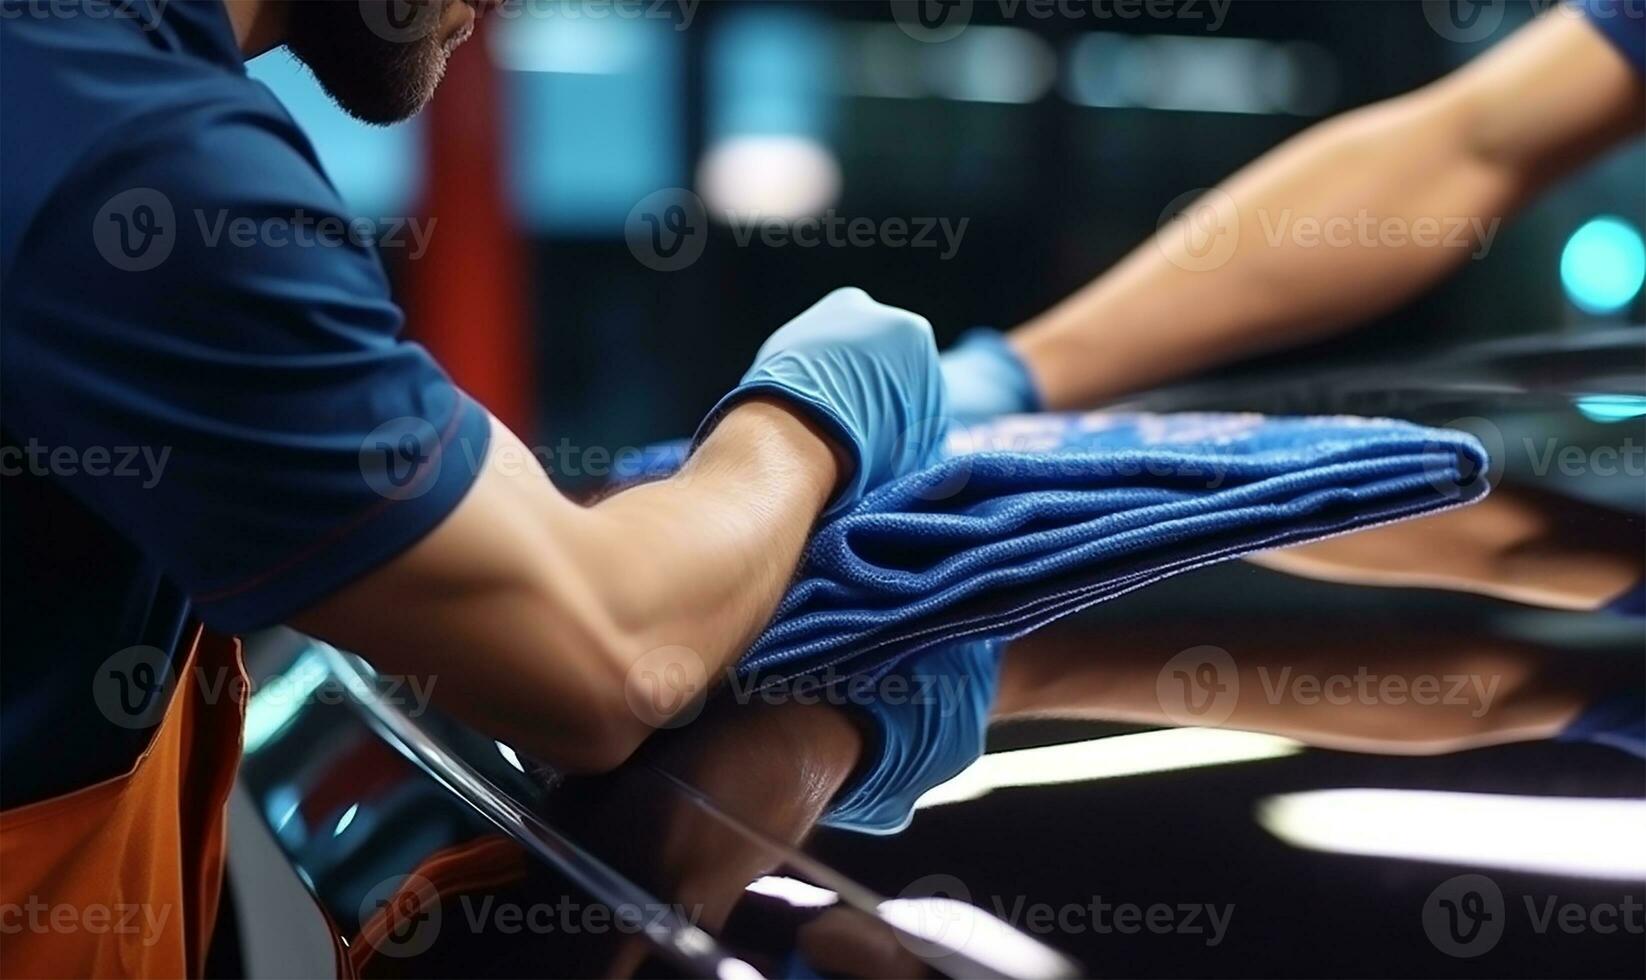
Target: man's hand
867,373
574,632
1459,155
985,378
926,721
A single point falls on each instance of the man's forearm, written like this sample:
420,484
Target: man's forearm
1239,277
573,632
700,560
1343,223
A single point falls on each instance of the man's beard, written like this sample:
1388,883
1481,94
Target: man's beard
380,59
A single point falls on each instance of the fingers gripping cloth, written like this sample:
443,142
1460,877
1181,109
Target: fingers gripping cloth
1032,518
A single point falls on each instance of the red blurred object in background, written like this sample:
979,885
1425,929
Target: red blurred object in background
466,296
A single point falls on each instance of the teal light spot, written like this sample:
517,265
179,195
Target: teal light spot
1612,408
1603,265
346,819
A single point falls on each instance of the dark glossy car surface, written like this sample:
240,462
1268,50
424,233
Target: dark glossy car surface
1402,809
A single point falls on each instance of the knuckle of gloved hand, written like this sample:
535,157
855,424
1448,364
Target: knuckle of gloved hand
849,295
913,331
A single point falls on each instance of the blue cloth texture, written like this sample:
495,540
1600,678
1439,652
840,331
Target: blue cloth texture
1031,518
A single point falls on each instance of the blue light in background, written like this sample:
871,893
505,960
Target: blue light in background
766,72
1603,266
1611,408
769,115
346,819
594,117
378,170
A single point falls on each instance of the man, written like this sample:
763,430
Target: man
307,467
1209,288
1478,143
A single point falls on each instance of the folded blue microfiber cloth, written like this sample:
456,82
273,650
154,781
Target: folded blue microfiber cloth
1031,518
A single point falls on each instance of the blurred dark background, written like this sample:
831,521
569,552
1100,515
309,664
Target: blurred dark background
1058,138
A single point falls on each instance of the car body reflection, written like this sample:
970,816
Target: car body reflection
1306,754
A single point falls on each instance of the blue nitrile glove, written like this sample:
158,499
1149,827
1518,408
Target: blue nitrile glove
867,373
927,719
1630,603
1618,721
986,378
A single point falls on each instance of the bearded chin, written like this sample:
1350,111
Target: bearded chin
373,78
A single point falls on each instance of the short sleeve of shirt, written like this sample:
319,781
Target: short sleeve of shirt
1623,22
209,348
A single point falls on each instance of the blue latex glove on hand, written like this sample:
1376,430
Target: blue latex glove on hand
927,719
1618,721
867,373
986,378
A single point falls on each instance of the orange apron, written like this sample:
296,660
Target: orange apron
122,878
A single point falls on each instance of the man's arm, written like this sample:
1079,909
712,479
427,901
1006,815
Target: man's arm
574,632
530,612
1474,145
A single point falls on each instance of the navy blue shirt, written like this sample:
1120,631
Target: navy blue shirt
206,407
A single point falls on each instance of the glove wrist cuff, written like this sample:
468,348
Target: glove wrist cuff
834,428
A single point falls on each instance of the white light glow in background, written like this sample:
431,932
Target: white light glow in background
781,177
510,756
1107,758
948,923
346,819
800,894
1590,838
